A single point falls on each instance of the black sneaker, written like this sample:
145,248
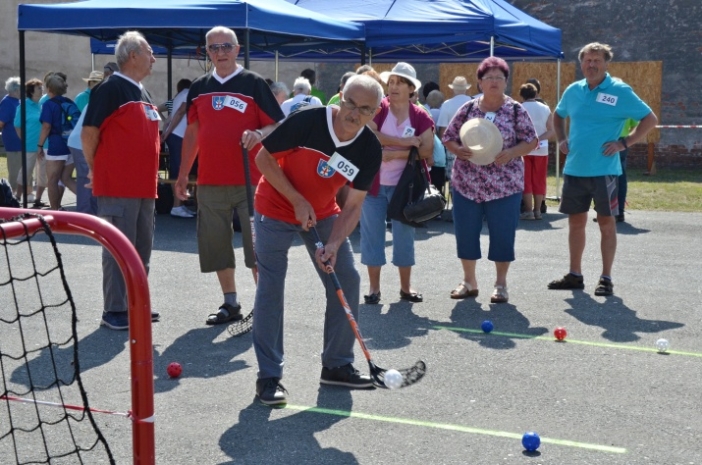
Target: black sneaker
347,376
604,287
569,281
270,391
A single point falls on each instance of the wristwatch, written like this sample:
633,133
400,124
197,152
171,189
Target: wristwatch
623,141
260,133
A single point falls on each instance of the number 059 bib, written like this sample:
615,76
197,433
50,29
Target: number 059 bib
343,166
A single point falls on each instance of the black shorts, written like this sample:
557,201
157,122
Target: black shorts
579,192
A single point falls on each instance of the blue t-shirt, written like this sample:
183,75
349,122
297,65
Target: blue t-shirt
51,113
82,99
597,116
33,124
10,139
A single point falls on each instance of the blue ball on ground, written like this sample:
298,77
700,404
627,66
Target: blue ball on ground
531,441
487,326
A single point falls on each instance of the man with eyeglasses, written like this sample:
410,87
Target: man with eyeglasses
308,158
227,108
121,146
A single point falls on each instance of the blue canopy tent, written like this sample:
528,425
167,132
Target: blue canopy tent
442,30
174,24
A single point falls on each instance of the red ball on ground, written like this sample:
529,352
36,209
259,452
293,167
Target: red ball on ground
174,369
560,333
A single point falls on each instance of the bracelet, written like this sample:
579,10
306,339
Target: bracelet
259,132
623,141
40,145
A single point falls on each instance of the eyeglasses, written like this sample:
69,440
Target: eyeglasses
365,111
493,78
225,47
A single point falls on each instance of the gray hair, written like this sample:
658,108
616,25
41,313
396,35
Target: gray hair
367,83
278,87
221,30
435,99
605,49
12,84
56,85
302,84
130,41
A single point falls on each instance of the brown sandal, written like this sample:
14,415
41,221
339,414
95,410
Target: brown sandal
463,291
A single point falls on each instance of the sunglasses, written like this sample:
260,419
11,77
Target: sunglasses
225,47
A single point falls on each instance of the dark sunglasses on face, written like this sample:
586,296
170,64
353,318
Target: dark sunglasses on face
225,47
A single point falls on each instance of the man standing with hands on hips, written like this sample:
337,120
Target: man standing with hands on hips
598,107
226,109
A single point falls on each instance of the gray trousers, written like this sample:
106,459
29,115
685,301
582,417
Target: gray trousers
273,240
135,218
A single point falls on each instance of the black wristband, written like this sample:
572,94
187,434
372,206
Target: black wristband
623,141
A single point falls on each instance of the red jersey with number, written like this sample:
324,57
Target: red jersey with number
126,158
224,110
313,160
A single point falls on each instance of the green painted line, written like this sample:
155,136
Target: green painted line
569,341
451,427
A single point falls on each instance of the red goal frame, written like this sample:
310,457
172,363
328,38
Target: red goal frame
140,343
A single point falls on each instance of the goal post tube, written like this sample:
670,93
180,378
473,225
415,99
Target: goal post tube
140,342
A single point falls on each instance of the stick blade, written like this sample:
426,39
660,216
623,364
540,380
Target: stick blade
242,326
410,376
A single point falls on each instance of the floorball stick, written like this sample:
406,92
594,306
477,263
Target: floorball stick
410,375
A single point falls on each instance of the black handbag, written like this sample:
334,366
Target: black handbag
415,200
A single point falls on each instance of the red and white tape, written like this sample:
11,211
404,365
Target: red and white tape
679,126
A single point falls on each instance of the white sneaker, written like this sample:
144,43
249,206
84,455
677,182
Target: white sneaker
182,212
30,198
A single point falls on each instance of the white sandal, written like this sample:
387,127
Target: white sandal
499,295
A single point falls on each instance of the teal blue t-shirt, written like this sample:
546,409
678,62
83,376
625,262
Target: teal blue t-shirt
597,116
33,124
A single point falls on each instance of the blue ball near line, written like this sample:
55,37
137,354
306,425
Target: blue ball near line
487,326
531,441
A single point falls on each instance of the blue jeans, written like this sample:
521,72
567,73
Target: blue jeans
273,240
502,219
175,148
86,202
373,214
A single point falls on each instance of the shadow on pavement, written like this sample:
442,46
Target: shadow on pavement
619,321
291,439
393,329
505,318
200,356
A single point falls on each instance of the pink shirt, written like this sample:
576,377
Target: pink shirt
390,171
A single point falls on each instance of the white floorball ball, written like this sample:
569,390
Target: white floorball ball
393,379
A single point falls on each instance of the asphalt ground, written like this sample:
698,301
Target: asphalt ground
604,396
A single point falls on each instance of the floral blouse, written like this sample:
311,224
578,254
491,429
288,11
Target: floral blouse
490,182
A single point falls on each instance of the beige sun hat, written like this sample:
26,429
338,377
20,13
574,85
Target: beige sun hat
95,76
404,70
483,139
459,83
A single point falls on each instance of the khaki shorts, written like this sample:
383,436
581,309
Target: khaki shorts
215,211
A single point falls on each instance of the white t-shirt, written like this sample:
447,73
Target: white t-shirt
288,104
179,100
539,113
449,108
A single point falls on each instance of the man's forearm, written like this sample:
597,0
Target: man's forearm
90,138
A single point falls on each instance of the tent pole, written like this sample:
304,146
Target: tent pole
558,154
276,65
92,62
246,48
169,72
492,46
370,57
363,54
23,116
